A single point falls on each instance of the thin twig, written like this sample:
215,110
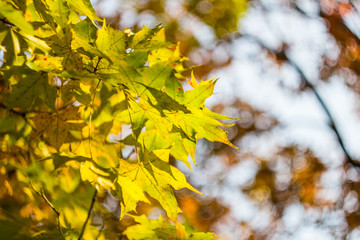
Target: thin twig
326,110
355,6
97,65
91,156
43,196
310,86
6,22
88,215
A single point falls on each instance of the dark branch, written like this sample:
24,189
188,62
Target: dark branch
6,22
354,6
97,65
326,110
309,85
88,215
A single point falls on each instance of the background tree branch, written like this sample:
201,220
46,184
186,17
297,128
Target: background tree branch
282,55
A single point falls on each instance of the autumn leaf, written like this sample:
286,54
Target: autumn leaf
16,17
96,110
160,229
157,178
60,128
32,86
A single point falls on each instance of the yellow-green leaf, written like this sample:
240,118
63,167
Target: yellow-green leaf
16,17
32,85
84,7
157,178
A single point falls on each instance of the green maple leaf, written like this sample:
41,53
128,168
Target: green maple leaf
139,40
84,35
34,43
12,43
137,75
16,17
45,63
59,10
123,74
32,85
43,12
13,125
176,125
196,97
84,8
200,125
160,229
155,76
150,229
111,41
137,59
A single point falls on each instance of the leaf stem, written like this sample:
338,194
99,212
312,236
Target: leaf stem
88,215
97,65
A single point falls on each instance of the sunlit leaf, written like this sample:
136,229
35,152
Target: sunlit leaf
16,17
91,118
59,10
84,7
156,178
160,229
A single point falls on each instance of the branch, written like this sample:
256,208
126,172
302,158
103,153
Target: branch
329,115
6,22
355,6
42,194
333,126
88,215
91,156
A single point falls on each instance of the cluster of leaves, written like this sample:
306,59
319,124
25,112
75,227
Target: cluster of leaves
217,20
88,111
291,176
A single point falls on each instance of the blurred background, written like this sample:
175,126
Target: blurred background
290,69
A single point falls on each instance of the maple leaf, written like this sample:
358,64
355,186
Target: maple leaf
73,89
160,229
32,85
16,17
59,128
157,178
